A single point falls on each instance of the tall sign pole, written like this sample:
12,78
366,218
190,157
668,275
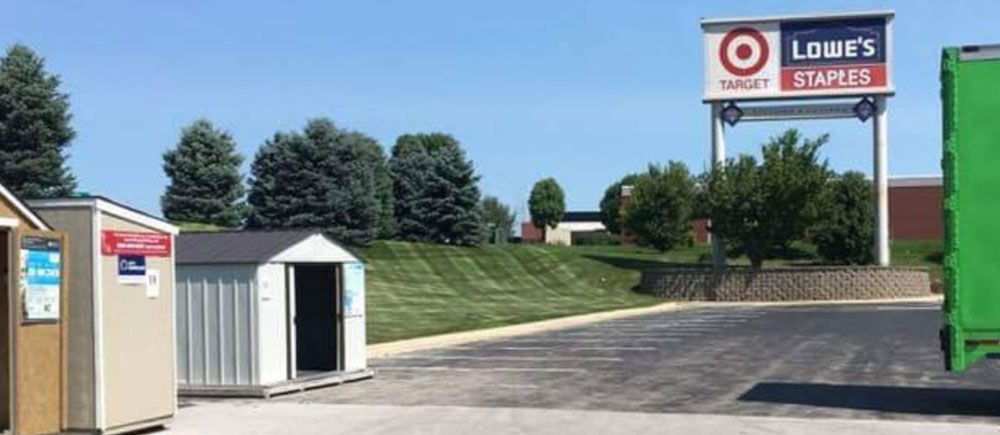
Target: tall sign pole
718,158
881,158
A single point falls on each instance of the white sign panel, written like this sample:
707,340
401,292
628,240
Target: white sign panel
152,283
41,278
354,289
794,57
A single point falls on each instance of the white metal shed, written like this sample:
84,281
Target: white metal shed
267,312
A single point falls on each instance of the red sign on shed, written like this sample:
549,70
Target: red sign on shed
135,243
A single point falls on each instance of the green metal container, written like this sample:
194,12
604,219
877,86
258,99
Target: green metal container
970,93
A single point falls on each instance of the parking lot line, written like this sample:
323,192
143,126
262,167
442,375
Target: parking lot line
567,348
483,369
507,358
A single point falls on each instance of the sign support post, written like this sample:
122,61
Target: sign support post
718,158
881,139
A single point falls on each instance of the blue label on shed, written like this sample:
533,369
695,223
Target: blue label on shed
132,269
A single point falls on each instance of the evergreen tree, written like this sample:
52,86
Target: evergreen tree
321,179
436,190
547,204
205,182
34,128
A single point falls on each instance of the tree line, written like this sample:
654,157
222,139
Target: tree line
326,177
322,177
758,208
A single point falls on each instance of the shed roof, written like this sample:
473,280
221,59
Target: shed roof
240,246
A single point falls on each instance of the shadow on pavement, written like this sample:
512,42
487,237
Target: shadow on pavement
910,400
642,264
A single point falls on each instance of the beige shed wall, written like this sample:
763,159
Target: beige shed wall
138,340
77,224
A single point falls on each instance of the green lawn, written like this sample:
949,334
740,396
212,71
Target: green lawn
418,289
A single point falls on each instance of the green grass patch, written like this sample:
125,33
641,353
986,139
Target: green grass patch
418,289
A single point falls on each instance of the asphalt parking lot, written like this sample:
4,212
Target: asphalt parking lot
857,361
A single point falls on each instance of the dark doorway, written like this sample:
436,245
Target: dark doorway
317,331
5,321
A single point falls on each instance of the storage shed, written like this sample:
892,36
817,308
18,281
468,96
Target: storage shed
34,330
267,312
121,325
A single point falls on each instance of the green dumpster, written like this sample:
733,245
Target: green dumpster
970,93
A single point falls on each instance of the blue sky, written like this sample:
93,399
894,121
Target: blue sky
581,91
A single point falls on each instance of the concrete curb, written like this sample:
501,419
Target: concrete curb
922,299
383,350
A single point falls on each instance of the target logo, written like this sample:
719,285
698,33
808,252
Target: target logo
744,51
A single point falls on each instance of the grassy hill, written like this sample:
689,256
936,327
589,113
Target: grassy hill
418,289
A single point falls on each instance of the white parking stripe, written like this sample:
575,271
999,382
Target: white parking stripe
482,369
568,348
506,358
596,340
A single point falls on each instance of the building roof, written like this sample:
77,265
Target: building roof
241,246
915,181
106,205
582,216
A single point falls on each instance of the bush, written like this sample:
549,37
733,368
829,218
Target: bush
845,233
759,210
659,210
595,238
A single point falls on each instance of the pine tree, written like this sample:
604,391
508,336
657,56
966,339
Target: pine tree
322,179
35,128
436,190
205,181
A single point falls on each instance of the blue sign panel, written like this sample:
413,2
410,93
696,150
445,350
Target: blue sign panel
834,42
131,269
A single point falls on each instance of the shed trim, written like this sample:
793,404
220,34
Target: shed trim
110,207
23,209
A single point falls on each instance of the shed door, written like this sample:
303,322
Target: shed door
316,318
39,313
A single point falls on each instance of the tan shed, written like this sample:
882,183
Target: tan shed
34,326
121,341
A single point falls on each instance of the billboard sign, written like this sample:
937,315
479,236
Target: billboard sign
797,57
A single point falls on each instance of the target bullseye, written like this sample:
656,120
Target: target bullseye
743,51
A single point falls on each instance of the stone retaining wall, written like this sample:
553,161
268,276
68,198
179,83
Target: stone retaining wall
787,284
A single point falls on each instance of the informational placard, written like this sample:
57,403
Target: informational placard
152,283
135,243
354,289
794,57
132,269
41,278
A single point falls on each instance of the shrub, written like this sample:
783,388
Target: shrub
846,231
759,210
595,238
659,211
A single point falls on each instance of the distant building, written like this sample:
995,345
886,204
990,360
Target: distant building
562,233
915,211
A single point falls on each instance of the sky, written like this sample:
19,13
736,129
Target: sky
583,91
